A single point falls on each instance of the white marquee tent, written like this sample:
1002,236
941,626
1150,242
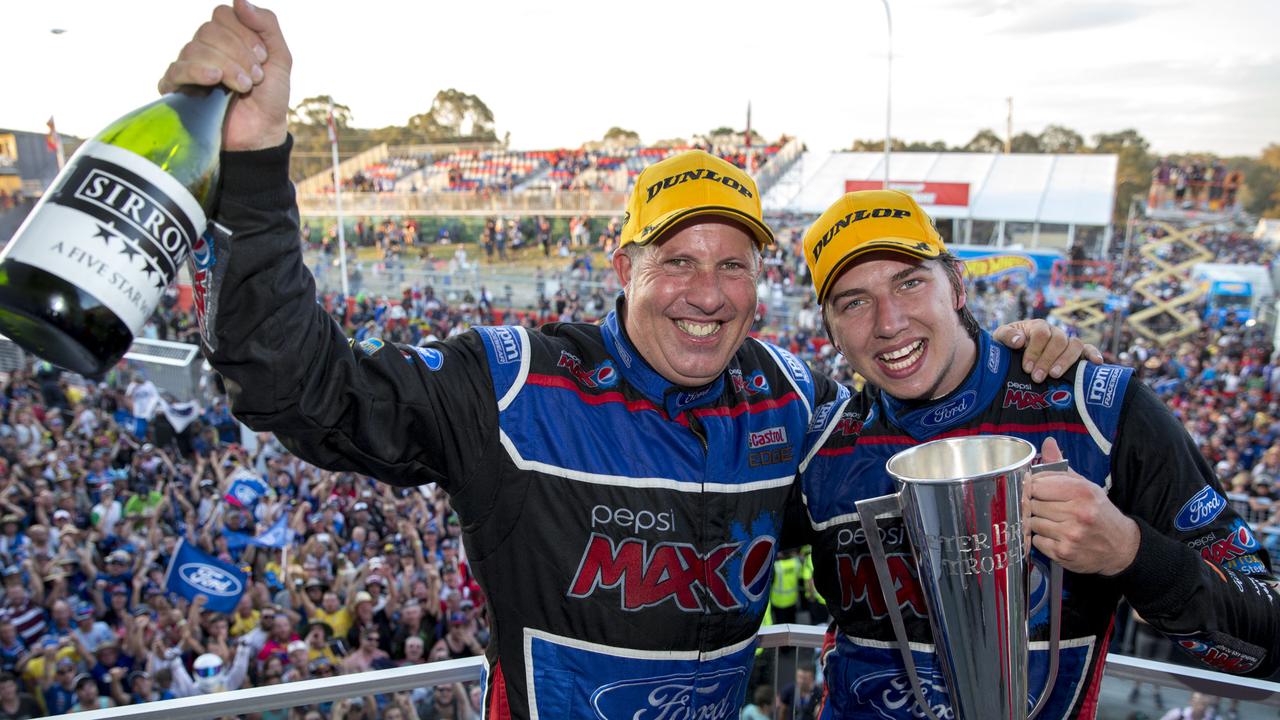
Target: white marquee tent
1028,189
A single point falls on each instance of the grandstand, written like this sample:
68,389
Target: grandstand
488,178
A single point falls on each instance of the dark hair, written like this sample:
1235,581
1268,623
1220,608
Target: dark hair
952,267
763,695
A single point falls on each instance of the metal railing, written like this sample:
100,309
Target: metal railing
528,202
378,682
174,367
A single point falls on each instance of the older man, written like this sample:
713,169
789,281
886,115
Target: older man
1144,517
620,485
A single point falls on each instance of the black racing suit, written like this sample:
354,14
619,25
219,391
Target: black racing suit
623,528
1198,568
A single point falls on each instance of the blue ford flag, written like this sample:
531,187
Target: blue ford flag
277,536
193,572
245,491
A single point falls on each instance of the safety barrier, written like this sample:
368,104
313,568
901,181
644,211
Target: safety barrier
377,682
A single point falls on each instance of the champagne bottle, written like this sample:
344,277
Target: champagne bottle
89,265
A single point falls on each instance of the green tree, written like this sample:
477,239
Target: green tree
1117,141
926,146
454,116
1061,140
308,123
1261,194
622,136
1025,142
986,141
899,145
314,112
1134,166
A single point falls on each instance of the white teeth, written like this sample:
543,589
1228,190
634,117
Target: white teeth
899,359
698,329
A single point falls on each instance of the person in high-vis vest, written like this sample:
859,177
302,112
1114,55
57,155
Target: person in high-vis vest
813,600
785,595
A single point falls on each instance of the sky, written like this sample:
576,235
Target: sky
1189,75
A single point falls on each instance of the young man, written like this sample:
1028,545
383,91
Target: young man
620,485
1133,517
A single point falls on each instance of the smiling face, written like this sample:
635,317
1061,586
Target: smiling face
691,298
894,318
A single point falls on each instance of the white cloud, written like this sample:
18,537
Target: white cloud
1186,75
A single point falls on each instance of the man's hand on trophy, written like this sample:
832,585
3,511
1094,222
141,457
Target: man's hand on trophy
1074,523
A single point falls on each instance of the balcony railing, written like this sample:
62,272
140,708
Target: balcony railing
564,202
1255,695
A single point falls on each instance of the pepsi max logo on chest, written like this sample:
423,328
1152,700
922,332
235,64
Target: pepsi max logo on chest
859,584
636,521
1020,396
754,385
645,574
1200,510
605,375
849,425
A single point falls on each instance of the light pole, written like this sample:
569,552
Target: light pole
1118,325
888,101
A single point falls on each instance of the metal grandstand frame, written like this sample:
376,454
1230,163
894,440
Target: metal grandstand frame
308,692
174,367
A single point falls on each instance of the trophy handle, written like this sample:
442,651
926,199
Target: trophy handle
868,511
1055,609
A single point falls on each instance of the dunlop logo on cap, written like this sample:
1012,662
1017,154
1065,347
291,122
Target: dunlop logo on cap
696,174
854,217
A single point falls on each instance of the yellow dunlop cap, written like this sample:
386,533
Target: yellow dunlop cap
861,222
687,185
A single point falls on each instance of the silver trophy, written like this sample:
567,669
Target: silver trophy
961,501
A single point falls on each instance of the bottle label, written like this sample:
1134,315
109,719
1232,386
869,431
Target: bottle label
116,226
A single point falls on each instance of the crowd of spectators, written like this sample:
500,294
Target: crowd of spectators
98,482
598,169
1194,184
94,501
10,200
